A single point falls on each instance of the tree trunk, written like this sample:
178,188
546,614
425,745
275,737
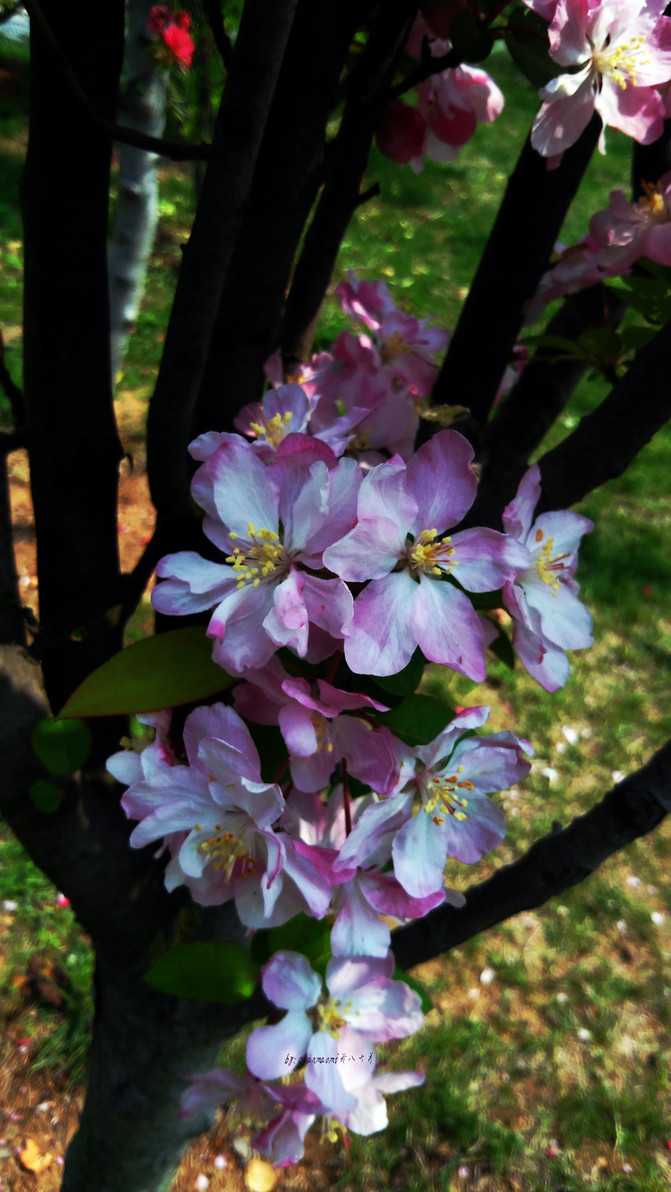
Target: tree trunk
142,108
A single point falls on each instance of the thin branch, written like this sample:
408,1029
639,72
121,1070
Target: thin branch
515,257
606,441
245,105
176,150
221,38
368,94
554,863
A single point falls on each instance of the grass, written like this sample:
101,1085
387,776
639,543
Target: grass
547,1052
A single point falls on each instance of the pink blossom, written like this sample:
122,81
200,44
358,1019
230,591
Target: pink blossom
282,1139
440,808
217,817
627,231
361,1005
618,52
543,597
320,728
401,133
453,104
400,544
369,1115
272,523
283,411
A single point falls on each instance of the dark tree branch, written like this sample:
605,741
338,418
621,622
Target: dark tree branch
12,391
559,860
534,404
70,426
515,258
347,159
221,38
177,150
427,67
288,173
241,122
607,440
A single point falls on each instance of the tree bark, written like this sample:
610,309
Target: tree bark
142,108
70,428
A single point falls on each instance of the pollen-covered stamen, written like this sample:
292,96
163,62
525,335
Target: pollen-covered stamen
320,725
329,1017
431,556
652,203
622,63
271,429
223,849
444,797
391,347
256,559
549,565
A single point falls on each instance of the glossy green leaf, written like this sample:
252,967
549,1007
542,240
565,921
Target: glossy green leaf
205,972
405,681
417,719
164,671
45,795
62,745
310,937
528,44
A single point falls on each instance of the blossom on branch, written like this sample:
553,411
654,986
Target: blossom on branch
543,598
617,53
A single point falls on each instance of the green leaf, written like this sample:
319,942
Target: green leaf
601,342
528,44
400,975
62,745
405,681
164,671
310,937
205,972
471,40
45,795
551,341
502,647
417,719
637,335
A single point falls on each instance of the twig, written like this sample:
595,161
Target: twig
221,38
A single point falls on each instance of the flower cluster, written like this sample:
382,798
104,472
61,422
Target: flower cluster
173,31
617,62
617,238
450,103
341,564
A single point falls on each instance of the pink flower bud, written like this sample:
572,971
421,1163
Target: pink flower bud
401,133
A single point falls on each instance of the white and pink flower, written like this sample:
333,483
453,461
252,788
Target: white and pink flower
618,52
543,598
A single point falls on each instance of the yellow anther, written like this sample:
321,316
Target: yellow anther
394,345
623,62
548,565
258,559
431,556
443,797
329,1018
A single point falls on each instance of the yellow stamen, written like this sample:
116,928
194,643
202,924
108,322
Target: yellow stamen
329,1018
271,429
431,556
444,796
257,559
547,565
623,62
394,345
223,849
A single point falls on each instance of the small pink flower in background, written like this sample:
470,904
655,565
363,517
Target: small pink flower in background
62,901
627,231
543,597
617,54
283,411
453,104
401,133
